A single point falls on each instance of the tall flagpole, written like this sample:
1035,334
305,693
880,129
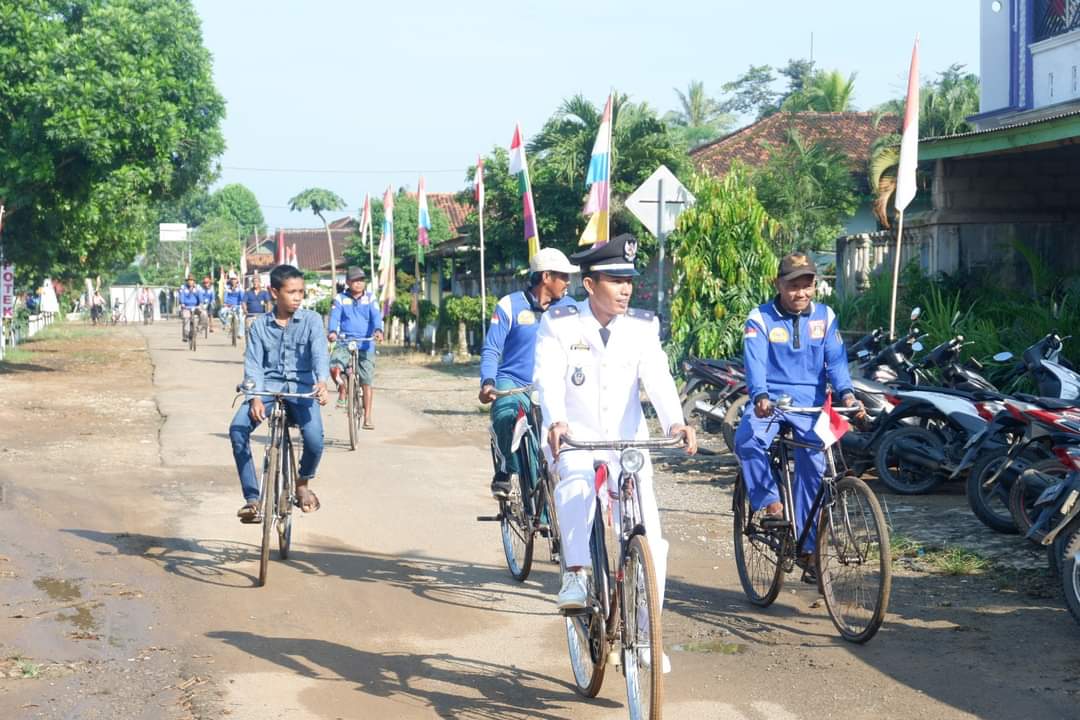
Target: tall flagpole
905,173
611,160
896,274
479,181
371,257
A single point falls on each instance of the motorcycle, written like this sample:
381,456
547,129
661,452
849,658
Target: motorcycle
715,395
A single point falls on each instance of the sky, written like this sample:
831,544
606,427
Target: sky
352,95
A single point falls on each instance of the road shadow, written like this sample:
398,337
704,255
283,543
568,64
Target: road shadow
13,368
938,638
451,686
228,563
238,361
473,413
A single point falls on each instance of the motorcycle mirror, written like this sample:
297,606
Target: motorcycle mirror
917,346
915,313
1003,357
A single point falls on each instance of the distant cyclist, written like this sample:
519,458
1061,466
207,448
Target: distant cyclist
232,301
355,315
256,300
507,358
207,300
189,305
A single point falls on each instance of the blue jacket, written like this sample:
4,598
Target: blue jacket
189,298
353,318
510,347
794,355
293,357
207,296
254,301
233,296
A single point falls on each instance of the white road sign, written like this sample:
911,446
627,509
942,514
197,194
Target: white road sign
172,232
643,201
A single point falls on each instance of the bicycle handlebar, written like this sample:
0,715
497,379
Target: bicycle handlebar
512,391
814,410
240,390
619,445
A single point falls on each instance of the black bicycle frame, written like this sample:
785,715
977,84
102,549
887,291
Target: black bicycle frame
786,440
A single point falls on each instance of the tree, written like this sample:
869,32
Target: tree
808,189
723,265
753,92
406,209
215,245
560,155
944,107
320,201
824,92
107,108
699,118
236,203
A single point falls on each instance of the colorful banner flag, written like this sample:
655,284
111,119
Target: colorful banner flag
423,222
293,259
365,220
520,167
7,290
478,183
598,181
909,142
279,256
387,279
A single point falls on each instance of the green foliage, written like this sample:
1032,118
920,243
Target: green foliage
823,92
699,118
318,200
752,92
107,108
402,309
323,305
235,202
724,265
406,211
809,190
216,245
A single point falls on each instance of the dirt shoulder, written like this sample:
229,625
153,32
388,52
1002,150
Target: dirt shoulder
84,632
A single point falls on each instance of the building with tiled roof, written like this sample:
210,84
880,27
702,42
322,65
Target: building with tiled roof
851,133
455,210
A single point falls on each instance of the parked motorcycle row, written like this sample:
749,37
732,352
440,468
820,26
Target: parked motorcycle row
934,418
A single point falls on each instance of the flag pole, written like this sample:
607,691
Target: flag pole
371,257
896,275
483,286
611,160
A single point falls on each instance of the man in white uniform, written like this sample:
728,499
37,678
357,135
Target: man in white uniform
590,357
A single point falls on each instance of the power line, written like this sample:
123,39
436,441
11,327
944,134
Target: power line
340,172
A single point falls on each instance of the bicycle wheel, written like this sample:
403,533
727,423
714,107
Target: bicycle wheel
759,553
732,418
643,655
285,493
1026,490
352,409
271,479
232,330
192,332
854,560
517,531
586,632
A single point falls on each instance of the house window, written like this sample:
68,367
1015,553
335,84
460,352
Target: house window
1055,17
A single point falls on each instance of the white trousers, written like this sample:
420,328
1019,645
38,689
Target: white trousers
575,503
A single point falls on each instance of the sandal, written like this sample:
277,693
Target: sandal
368,425
342,403
249,514
306,499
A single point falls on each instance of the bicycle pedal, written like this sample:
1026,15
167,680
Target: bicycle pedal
489,518
773,523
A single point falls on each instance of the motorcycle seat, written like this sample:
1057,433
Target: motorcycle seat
1047,403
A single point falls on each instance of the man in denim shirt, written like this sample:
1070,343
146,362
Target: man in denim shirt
286,350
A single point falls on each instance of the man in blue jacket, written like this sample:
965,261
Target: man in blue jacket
189,303
791,346
355,315
507,358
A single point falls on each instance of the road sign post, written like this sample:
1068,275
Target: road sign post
671,197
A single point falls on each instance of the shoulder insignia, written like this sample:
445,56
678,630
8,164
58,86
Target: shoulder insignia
346,301
563,311
640,314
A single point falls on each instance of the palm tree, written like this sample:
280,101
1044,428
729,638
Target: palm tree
319,201
825,92
700,118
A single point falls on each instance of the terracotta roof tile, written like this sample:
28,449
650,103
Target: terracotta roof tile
456,211
852,133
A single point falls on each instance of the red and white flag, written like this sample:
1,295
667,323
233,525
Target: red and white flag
478,182
909,141
830,425
521,426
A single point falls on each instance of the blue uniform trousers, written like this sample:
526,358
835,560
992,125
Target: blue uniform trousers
302,412
752,441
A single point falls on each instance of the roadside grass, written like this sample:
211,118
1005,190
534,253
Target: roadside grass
950,560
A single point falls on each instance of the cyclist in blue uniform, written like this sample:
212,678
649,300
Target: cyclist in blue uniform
354,315
207,298
234,297
791,346
509,350
189,302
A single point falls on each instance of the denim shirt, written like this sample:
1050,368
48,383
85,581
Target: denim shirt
293,358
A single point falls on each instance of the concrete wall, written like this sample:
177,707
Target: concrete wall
1056,69
994,66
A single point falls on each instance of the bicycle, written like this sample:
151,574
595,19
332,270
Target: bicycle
277,492
851,537
528,509
189,324
355,392
148,313
234,314
623,604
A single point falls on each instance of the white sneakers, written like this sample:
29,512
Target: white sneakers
575,591
646,661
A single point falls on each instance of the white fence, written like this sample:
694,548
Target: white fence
12,335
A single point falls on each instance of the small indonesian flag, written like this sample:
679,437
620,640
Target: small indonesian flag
830,425
521,426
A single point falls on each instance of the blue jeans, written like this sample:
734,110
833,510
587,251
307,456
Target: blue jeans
302,412
752,442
